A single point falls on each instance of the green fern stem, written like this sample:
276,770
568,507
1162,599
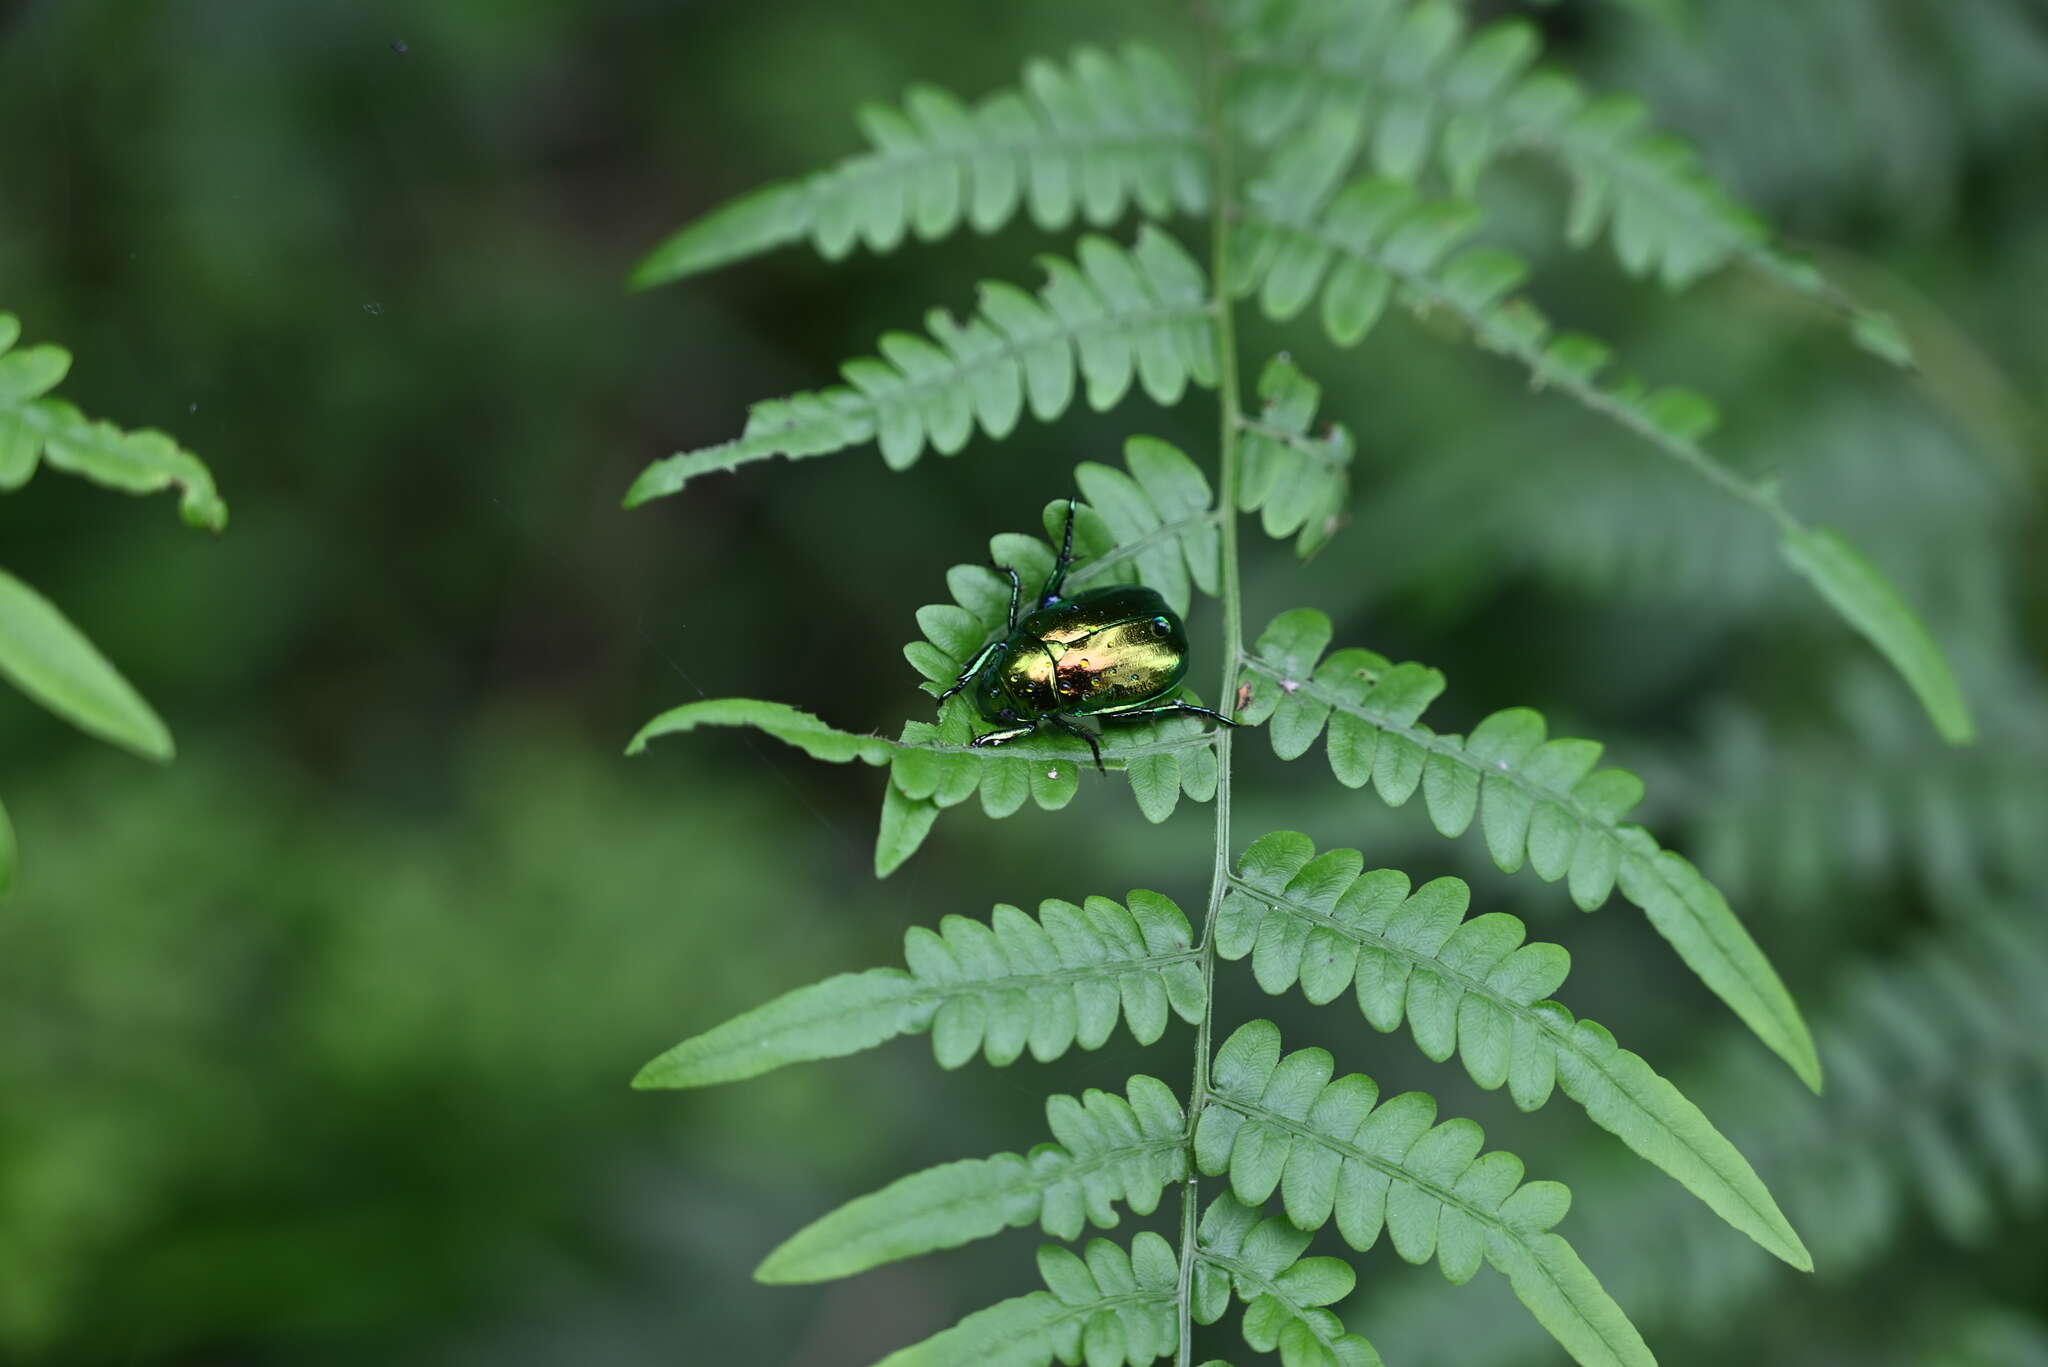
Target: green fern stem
1230,424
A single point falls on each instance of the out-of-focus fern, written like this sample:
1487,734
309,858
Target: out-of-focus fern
1314,83
41,652
1432,99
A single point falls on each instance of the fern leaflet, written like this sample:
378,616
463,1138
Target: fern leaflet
1110,1149
41,652
1112,316
1472,987
1112,1307
1083,139
1016,983
1284,1293
1333,1150
1539,802
1296,481
35,427
1376,240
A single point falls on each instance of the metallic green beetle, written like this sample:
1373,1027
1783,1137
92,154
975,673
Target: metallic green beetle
1111,652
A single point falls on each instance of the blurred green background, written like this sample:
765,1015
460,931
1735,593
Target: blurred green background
313,1046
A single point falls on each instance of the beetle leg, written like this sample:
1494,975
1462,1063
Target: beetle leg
1003,737
1058,579
967,674
1016,594
1161,709
1094,746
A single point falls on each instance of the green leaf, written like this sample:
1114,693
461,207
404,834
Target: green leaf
1259,1260
1117,1306
1472,986
1517,774
1113,316
35,427
839,1016
50,660
1111,1150
1391,1167
1299,483
1000,988
785,723
1858,590
1123,129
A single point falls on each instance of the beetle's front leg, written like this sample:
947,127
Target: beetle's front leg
973,668
1056,583
1016,594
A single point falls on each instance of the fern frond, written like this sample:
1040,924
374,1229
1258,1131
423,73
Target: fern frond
1538,801
1938,1069
1864,800
1110,1149
1377,240
1333,1150
1111,1307
1472,987
1284,1293
35,427
1083,139
1295,480
1428,97
1112,316
1049,984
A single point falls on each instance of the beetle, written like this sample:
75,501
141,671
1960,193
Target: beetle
1112,653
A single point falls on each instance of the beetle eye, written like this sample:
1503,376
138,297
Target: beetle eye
1160,626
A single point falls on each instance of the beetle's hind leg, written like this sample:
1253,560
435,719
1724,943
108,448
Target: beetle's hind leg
1003,737
1094,746
1161,709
